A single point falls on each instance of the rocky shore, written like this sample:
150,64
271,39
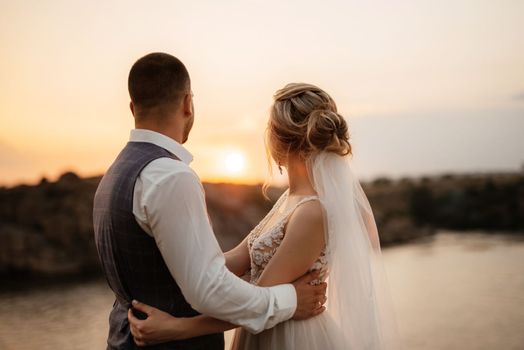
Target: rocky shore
46,229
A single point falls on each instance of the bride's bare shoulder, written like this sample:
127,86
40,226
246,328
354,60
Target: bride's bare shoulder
307,219
312,208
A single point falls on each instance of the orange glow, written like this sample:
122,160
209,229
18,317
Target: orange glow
234,163
64,101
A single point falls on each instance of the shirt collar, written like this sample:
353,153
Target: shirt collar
144,135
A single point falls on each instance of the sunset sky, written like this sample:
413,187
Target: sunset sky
426,86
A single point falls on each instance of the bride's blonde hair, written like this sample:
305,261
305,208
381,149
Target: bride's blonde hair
303,121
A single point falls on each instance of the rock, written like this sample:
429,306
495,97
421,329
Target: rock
47,229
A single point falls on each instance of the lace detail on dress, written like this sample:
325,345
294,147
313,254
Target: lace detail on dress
263,244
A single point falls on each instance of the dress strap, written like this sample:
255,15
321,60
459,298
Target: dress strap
270,214
307,199
283,219
299,203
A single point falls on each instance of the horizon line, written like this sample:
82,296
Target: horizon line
258,182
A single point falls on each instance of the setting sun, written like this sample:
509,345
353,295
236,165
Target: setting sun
235,163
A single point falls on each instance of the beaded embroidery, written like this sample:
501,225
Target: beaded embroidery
263,244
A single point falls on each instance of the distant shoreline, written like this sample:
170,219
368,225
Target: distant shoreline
46,230
363,179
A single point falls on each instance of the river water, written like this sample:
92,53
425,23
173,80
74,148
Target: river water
451,291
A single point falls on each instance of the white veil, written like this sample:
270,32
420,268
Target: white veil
358,294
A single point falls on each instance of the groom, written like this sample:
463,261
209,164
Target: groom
152,230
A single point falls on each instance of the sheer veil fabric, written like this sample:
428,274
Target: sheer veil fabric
359,312
359,301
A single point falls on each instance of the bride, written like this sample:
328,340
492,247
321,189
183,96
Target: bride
323,222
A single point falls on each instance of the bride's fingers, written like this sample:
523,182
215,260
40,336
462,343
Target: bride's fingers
135,332
135,326
148,310
139,341
132,318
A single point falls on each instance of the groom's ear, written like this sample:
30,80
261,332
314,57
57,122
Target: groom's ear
132,108
188,105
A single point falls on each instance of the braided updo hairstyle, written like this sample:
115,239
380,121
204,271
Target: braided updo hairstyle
304,121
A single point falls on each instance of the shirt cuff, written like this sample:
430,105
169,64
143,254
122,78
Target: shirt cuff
285,302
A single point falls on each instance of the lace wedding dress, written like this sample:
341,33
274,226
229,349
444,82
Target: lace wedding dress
359,311
317,333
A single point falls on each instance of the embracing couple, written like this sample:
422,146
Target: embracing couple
175,288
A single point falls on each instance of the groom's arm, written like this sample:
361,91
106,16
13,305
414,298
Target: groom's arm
178,220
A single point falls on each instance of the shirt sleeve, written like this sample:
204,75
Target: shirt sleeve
177,216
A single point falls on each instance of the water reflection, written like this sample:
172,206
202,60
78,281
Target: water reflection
459,291
451,291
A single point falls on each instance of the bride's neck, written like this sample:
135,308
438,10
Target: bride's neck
299,182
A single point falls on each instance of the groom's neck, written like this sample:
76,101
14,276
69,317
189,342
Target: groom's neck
173,131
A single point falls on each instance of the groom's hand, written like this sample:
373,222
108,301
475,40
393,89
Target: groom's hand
310,298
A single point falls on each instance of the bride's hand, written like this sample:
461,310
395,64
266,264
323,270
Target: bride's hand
158,327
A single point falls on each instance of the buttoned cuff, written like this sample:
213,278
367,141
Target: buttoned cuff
285,303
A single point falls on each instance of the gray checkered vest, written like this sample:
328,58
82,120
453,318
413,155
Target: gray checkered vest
130,259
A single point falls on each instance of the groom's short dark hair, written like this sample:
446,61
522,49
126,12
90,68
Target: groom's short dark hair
157,79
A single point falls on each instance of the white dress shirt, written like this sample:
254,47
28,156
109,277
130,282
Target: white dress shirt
169,205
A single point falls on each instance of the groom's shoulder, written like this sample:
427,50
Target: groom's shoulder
164,168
